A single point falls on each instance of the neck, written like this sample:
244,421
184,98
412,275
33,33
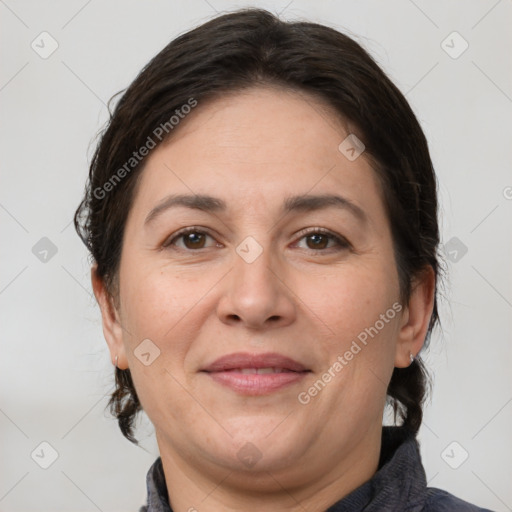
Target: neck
313,484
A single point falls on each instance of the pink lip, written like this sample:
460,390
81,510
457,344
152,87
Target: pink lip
227,371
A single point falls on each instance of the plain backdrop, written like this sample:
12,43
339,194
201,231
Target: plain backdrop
452,61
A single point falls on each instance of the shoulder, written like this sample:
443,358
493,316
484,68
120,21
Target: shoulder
442,501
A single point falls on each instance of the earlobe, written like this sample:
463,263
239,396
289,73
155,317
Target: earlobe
112,329
416,318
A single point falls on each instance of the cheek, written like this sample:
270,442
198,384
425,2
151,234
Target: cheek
168,307
155,300
159,306
357,308
350,299
361,312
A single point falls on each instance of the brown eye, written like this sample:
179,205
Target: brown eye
191,238
319,240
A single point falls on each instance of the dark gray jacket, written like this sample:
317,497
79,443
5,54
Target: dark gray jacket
399,485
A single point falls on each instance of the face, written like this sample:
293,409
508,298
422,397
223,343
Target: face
271,325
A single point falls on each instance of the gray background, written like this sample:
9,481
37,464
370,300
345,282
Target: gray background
55,371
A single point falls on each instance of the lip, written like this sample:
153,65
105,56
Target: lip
246,360
227,371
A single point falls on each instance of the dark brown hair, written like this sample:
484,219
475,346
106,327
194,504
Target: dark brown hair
244,49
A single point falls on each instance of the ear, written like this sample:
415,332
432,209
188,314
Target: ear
416,317
112,329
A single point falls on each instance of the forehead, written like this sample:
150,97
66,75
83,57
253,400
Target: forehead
259,143
263,120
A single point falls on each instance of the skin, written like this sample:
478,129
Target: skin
199,302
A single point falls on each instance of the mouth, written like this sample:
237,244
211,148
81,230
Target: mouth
255,374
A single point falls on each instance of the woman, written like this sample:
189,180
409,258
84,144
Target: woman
262,215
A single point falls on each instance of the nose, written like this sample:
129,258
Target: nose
257,294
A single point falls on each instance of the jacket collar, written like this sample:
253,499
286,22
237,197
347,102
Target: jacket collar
398,484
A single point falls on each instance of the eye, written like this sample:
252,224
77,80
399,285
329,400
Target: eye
317,239
193,238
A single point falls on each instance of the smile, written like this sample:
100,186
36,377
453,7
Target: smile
255,374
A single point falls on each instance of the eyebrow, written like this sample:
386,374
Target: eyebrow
300,203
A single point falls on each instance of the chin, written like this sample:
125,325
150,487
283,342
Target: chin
264,444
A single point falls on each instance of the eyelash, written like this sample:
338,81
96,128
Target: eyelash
342,242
